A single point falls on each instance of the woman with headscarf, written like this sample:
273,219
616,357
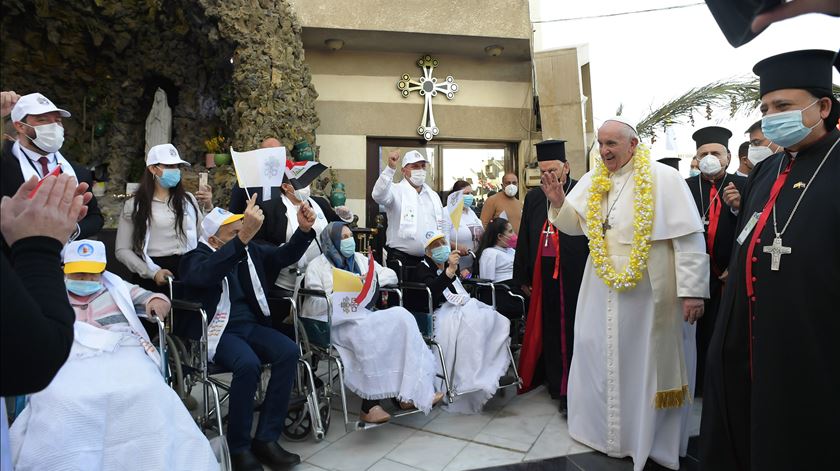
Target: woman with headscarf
383,353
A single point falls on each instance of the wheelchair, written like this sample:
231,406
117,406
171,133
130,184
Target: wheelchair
317,345
490,292
426,321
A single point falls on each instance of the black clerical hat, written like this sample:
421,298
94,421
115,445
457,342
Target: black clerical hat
712,134
810,68
671,162
734,17
553,149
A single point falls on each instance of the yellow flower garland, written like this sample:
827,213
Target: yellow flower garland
642,223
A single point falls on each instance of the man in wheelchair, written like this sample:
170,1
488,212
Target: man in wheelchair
230,276
383,352
474,337
108,407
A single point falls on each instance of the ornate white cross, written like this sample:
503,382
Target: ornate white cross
427,87
776,251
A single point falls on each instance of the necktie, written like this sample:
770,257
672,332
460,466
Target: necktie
44,170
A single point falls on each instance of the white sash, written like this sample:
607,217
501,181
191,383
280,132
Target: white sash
459,299
220,319
409,203
191,234
26,165
119,291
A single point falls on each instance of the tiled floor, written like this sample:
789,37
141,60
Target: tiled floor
517,433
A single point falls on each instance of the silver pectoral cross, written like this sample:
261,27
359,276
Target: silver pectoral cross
605,226
705,221
548,233
776,251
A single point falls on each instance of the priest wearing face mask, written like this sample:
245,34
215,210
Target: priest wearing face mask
412,207
548,267
35,153
773,375
504,204
760,146
713,191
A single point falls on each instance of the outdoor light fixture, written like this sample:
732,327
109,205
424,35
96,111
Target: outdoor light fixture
334,44
494,50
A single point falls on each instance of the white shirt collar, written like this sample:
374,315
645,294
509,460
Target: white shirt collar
34,156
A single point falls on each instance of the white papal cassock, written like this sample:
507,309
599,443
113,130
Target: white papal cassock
629,345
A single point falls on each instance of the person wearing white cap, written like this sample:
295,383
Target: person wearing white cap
412,207
35,153
229,275
113,406
474,337
161,221
645,280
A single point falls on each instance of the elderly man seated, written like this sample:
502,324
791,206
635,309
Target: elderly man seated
474,337
108,407
229,275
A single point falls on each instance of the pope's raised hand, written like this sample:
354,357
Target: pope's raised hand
305,217
252,220
553,189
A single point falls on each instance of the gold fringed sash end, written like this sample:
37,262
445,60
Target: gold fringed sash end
672,398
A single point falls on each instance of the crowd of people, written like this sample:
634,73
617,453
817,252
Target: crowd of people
642,290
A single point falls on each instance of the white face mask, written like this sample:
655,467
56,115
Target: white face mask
418,177
710,165
303,193
48,137
756,154
511,190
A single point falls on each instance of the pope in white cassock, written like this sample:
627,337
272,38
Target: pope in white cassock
631,377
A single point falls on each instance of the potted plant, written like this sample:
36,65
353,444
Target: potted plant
217,151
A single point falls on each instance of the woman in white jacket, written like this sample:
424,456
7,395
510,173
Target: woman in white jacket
383,353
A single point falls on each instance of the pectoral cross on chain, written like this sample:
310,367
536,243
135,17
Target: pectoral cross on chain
605,226
548,233
776,251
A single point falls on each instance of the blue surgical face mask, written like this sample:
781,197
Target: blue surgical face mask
170,177
440,254
787,129
347,247
469,200
694,172
83,287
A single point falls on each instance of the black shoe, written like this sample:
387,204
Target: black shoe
273,455
564,407
245,461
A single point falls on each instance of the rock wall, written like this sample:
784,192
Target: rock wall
233,65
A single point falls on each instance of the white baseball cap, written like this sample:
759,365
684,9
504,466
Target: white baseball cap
411,157
432,236
165,154
217,218
84,256
35,103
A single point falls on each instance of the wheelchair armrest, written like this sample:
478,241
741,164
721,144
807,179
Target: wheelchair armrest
312,292
413,285
185,305
477,281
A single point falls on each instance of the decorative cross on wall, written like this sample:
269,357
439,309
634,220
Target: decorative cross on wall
427,87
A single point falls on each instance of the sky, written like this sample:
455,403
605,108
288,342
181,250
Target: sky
644,60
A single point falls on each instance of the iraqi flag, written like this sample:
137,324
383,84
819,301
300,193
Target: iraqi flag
260,168
301,174
368,292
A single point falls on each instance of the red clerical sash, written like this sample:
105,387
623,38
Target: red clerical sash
533,341
751,259
714,218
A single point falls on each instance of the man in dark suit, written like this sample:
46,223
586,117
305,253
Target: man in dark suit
35,153
230,276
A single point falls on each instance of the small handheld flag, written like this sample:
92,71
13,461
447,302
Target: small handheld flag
301,174
262,168
368,291
455,206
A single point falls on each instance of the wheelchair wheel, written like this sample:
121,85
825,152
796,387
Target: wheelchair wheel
298,424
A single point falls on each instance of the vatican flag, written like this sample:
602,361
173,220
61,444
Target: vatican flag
261,168
346,288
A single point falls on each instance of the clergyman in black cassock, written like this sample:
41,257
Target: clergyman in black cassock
719,220
554,277
773,374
